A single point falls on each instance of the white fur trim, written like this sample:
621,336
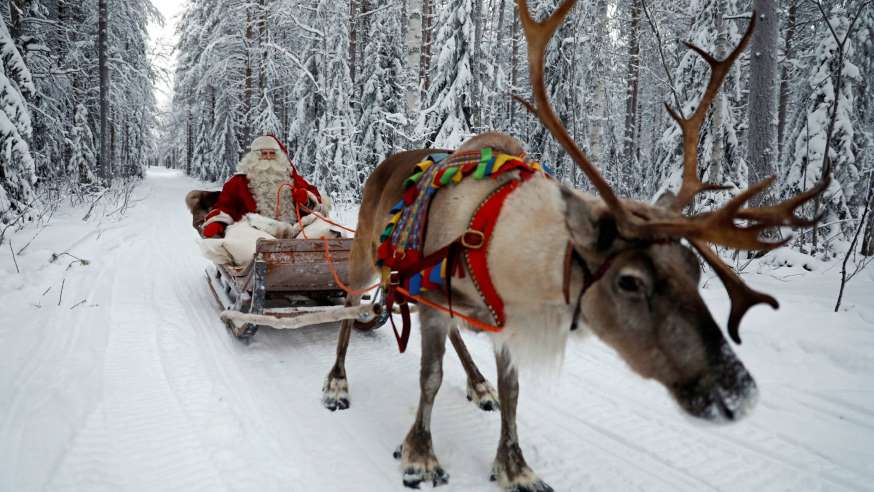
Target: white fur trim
265,143
214,251
327,206
320,229
221,217
273,227
240,242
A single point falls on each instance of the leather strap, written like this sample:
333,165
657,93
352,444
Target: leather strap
482,225
475,245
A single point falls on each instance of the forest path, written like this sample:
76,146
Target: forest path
141,388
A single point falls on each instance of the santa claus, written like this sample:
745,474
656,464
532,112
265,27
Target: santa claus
266,184
266,199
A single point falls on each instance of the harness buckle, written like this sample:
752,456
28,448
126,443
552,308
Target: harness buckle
473,239
394,278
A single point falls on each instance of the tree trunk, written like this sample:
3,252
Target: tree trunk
633,78
247,94
514,60
868,240
717,156
16,7
189,143
414,41
425,58
476,65
788,54
499,36
105,164
262,50
353,40
763,76
598,116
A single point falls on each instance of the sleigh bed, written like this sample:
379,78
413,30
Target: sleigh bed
289,284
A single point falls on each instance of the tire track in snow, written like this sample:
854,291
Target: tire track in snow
182,405
56,366
152,445
756,444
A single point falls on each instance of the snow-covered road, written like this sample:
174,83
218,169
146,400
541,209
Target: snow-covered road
139,387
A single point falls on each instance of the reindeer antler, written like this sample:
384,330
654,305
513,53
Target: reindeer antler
538,35
717,227
691,126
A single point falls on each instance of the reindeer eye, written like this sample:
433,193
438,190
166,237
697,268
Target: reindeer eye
630,284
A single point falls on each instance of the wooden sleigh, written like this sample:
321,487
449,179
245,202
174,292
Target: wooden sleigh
290,284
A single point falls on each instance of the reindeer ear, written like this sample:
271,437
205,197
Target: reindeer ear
591,225
666,199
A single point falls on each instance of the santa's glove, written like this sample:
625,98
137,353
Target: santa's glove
215,223
216,229
303,198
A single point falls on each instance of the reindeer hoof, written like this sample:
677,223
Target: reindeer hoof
525,481
415,475
420,465
483,395
539,486
335,394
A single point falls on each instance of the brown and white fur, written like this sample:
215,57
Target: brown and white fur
646,306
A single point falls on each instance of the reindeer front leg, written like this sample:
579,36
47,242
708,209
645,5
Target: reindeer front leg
479,390
416,453
335,392
510,469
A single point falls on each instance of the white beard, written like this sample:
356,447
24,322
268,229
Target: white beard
265,177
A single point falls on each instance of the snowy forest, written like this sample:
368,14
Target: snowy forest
159,334
347,84
56,104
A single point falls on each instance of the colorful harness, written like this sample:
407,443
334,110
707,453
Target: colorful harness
406,272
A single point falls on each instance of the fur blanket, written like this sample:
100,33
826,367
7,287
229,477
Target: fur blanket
238,246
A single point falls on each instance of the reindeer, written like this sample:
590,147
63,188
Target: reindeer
634,269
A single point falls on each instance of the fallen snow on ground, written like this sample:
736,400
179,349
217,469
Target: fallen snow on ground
118,375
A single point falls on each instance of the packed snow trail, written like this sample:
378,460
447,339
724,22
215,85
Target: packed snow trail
118,375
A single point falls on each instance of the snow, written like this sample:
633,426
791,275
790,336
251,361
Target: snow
140,387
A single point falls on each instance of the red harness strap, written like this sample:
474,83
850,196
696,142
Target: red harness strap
476,246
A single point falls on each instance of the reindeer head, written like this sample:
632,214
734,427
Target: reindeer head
644,301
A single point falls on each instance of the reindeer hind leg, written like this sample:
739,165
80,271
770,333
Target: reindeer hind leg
479,390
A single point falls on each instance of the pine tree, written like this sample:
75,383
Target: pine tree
446,112
833,73
335,157
17,170
83,155
383,119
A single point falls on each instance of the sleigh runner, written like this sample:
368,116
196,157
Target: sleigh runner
289,284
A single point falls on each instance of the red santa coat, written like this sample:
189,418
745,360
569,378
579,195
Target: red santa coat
236,200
